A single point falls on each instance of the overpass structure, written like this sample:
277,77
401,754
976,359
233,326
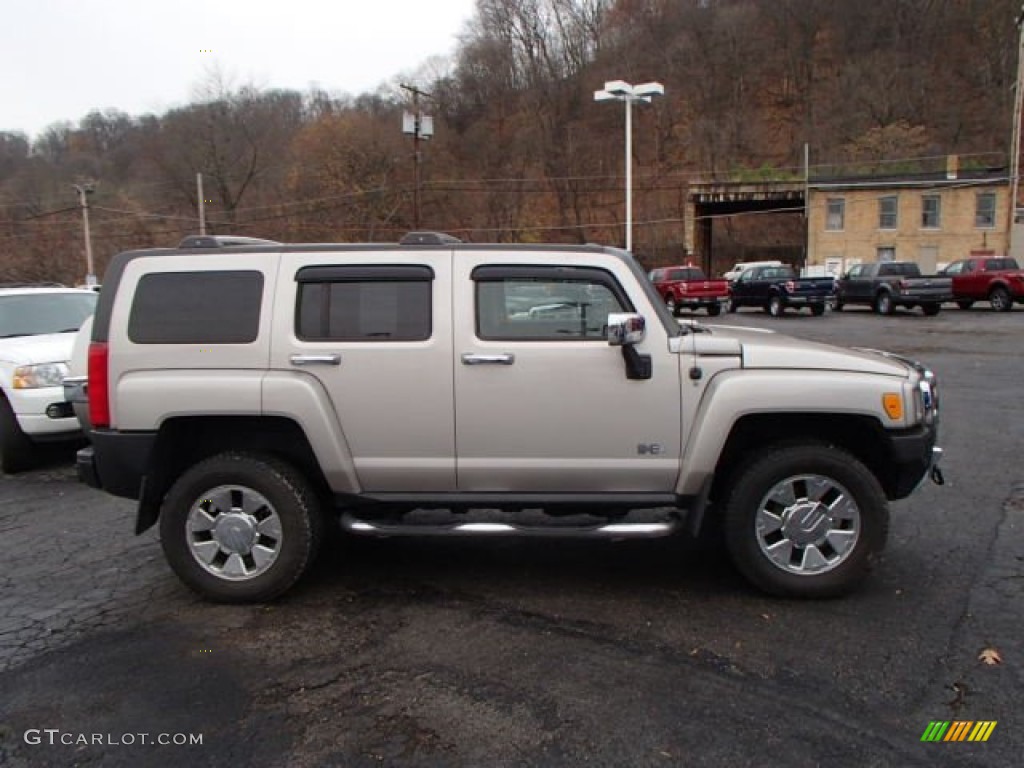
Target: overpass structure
706,201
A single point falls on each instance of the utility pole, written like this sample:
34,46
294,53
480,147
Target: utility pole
84,190
420,127
202,204
1018,99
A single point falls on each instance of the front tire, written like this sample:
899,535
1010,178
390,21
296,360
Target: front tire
714,310
240,528
931,310
17,452
670,305
817,310
805,521
1000,299
965,304
776,306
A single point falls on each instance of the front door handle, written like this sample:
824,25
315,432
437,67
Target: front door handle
331,359
505,358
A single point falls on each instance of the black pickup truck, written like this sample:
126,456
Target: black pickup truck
889,284
776,288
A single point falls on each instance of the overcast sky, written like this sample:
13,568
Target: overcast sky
60,59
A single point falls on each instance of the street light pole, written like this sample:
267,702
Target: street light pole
1018,104
83,200
620,90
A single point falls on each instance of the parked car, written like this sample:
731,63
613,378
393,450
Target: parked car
242,394
999,281
776,289
687,287
742,266
886,285
37,327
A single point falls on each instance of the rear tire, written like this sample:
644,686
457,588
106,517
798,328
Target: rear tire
17,453
714,310
805,521
240,528
884,304
817,310
731,307
931,310
1000,299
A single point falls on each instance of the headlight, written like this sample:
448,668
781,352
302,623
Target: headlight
926,397
42,375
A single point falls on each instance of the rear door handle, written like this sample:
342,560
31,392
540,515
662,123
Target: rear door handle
331,359
505,358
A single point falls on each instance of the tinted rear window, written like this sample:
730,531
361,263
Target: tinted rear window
197,308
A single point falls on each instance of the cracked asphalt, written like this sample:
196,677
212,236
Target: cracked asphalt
469,653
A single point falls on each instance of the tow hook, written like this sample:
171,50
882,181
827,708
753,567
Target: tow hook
936,472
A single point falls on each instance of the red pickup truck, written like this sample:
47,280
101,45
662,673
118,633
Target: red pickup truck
687,286
998,281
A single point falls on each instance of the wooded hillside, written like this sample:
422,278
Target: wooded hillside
521,151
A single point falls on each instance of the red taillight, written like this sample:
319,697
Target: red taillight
99,385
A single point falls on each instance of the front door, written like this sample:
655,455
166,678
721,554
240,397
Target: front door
543,403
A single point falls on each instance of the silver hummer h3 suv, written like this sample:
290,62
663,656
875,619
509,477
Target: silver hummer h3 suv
245,394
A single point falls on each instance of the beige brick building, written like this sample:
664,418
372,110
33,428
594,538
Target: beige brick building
932,221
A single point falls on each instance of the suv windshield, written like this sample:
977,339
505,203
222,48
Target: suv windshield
32,314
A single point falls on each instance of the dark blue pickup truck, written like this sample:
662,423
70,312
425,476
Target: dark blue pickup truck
776,288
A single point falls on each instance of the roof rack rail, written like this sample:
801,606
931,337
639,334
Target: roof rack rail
428,238
221,241
43,284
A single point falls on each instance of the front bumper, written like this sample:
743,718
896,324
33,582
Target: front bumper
43,414
913,457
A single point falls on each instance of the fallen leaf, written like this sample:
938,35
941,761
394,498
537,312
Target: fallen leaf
990,656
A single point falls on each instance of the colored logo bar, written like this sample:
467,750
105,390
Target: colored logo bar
958,730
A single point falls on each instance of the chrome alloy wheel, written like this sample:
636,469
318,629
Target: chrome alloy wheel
807,524
234,533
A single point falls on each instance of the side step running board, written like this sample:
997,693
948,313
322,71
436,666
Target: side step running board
613,531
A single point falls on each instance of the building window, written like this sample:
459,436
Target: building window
886,254
985,211
835,219
931,211
887,212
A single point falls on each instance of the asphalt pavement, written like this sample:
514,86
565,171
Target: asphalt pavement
502,653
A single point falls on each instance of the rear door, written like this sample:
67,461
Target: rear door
373,328
543,403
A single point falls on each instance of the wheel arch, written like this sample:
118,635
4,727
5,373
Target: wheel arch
184,441
860,435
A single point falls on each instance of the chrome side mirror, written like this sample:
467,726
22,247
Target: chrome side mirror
626,329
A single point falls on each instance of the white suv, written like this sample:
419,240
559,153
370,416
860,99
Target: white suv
37,329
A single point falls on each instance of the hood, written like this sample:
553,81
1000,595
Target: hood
768,349
30,350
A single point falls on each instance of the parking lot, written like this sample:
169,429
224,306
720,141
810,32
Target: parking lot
470,652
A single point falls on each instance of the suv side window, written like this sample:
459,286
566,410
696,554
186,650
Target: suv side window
545,304
364,303
214,307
